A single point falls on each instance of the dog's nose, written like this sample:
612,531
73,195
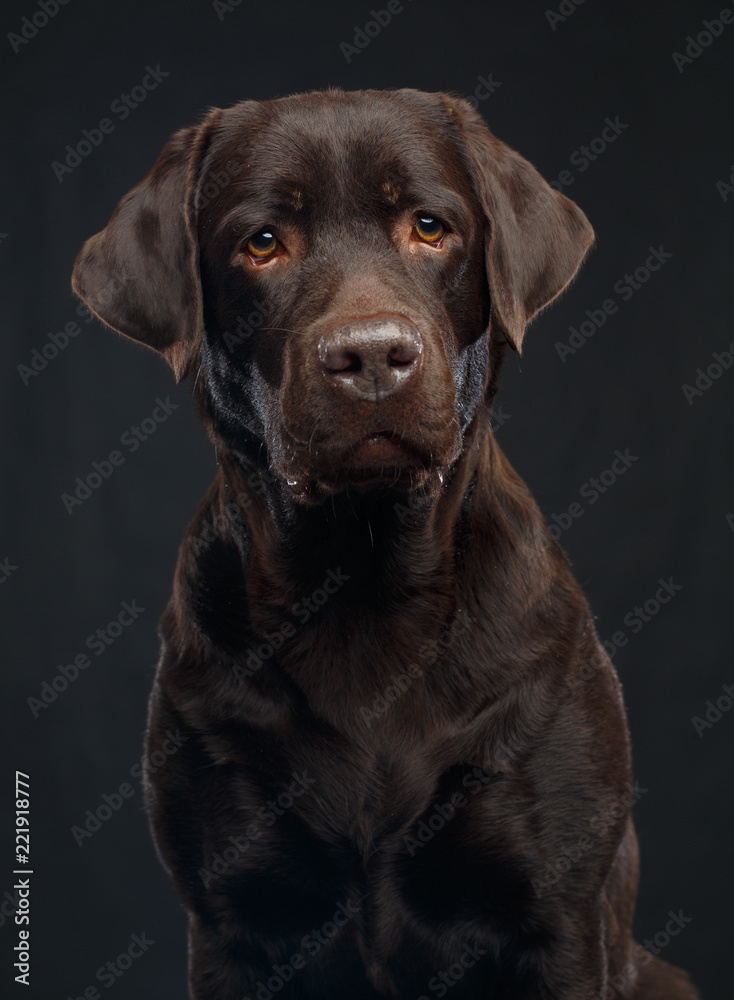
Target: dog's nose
371,359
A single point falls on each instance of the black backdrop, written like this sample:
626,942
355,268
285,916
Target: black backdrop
660,178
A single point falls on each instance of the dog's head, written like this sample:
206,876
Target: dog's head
326,264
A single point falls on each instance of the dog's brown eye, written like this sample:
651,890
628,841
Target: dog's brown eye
428,229
262,245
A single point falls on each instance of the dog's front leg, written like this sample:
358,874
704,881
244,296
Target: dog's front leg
573,967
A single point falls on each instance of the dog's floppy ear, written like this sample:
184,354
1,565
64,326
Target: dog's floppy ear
140,275
537,238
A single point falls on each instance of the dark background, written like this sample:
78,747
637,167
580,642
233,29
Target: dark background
561,423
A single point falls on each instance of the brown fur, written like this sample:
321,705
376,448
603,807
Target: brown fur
368,596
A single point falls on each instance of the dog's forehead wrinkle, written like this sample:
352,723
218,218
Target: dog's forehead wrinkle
353,145
316,180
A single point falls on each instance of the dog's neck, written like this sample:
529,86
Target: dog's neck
318,584
372,532
390,545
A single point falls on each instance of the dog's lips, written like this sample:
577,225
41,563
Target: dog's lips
381,457
378,458
379,447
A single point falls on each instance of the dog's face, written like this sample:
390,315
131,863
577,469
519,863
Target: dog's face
326,264
354,226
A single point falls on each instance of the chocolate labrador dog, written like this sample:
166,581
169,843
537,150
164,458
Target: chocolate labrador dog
404,765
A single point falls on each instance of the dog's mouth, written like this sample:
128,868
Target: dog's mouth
380,459
379,447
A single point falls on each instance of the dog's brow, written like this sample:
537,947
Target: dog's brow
439,199
260,212
443,201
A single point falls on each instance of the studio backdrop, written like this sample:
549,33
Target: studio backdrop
618,415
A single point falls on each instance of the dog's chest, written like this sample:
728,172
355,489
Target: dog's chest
386,827
369,784
378,677
380,730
